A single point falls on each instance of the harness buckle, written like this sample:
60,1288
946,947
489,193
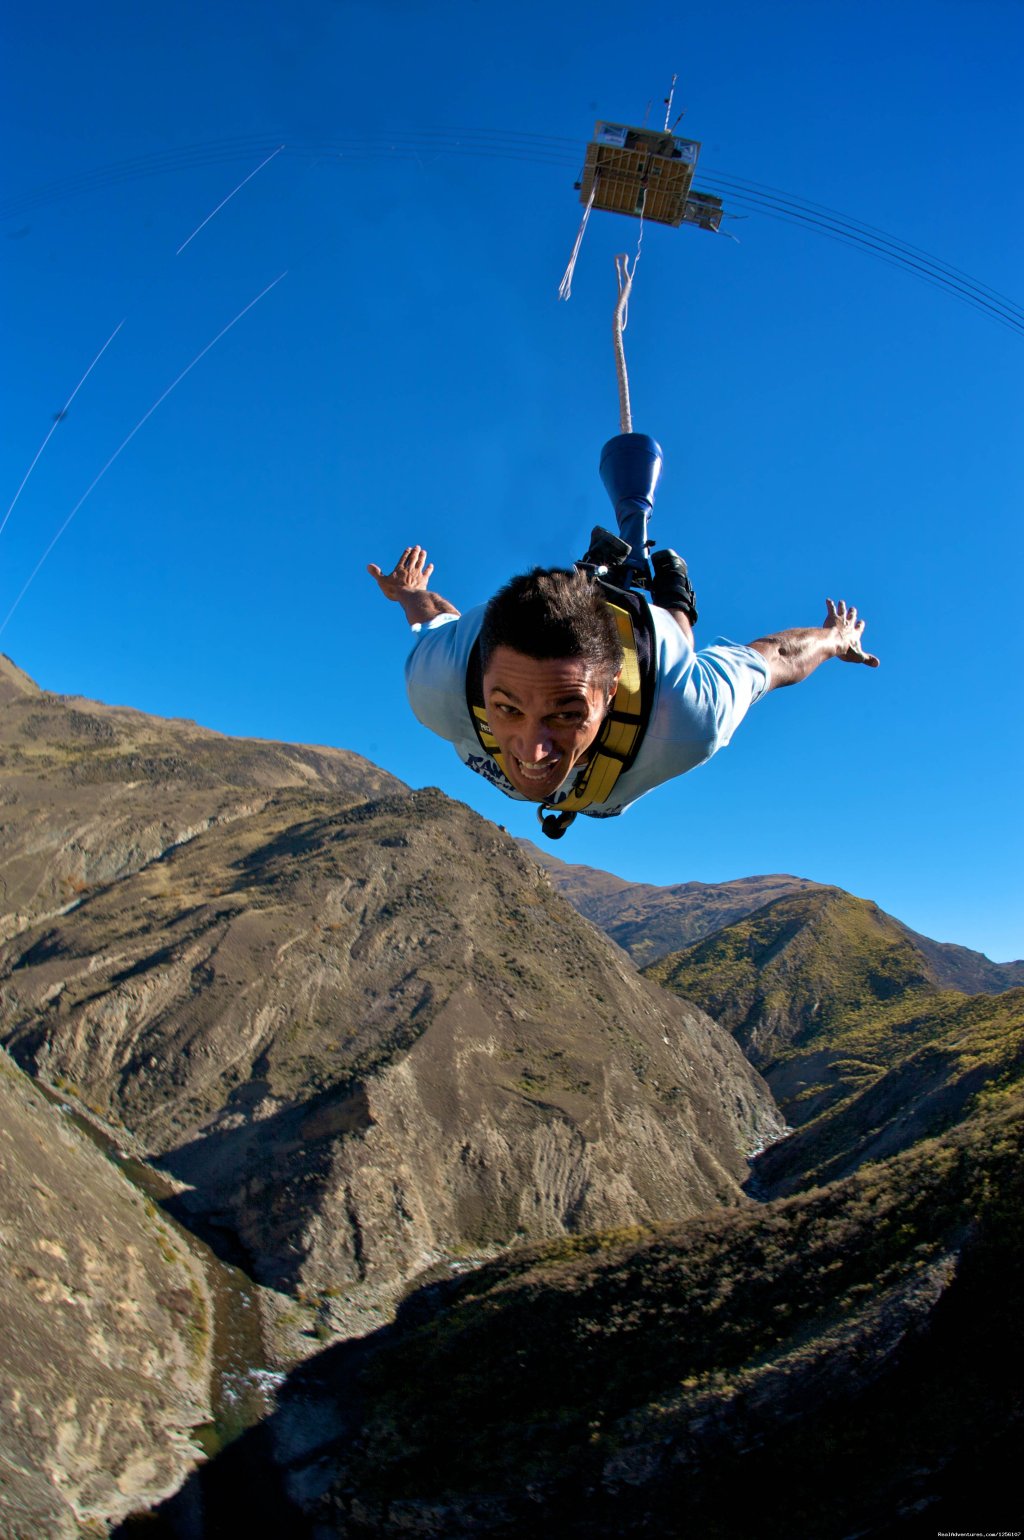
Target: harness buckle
608,556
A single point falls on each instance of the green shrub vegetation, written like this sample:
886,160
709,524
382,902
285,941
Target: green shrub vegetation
841,1012
549,1359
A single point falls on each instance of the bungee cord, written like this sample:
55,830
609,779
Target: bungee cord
619,319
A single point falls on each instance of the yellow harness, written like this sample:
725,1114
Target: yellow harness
622,730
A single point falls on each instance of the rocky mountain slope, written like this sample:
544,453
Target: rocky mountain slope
651,921
849,1352
104,1332
361,1065
864,1047
843,1362
90,793
375,1047
355,1024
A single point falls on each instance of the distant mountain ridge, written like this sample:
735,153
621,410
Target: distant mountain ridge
649,921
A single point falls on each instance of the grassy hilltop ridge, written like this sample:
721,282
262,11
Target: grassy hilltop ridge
799,971
864,1048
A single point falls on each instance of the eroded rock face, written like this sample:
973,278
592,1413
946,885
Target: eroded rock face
104,1332
367,1036
374,1038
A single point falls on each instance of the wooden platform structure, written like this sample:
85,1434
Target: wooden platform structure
646,171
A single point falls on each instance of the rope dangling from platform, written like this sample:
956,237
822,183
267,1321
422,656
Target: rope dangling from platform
565,287
621,317
621,320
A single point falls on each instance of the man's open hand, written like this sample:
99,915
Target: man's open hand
407,586
411,574
850,629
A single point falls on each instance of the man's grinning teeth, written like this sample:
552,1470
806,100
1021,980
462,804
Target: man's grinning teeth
540,768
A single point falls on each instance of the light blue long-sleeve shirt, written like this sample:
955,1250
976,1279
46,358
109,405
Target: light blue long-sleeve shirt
700,699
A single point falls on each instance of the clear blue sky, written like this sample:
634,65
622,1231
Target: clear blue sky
832,424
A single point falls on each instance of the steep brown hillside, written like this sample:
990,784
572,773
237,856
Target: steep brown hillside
90,793
372,1039
104,1332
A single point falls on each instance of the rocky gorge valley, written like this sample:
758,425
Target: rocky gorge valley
366,1173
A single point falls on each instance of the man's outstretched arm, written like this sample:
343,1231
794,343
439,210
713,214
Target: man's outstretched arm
792,655
407,586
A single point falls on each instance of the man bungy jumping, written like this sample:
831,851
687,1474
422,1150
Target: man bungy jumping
581,688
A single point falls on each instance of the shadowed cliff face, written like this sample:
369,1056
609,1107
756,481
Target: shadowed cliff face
104,1331
845,1362
370,1037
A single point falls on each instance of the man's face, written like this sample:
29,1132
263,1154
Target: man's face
545,714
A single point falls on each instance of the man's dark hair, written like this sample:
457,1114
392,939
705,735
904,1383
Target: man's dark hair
553,613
